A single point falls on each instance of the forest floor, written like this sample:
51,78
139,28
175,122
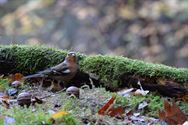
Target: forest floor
94,106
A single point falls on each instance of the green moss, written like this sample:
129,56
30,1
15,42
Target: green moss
4,84
183,107
69,119
154,102
111,68
29,59
26,115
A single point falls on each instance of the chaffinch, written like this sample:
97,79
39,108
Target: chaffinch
63,72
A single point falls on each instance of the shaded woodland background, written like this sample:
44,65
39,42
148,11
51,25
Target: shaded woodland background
151,30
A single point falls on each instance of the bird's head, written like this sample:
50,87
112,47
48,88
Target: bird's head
71,57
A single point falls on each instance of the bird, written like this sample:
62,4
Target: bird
63,72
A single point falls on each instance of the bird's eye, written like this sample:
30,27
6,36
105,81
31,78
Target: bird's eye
73,54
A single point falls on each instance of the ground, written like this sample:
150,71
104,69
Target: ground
83,110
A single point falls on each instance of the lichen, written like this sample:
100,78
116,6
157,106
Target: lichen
29,59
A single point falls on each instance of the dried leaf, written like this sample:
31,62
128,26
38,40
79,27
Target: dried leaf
5,103
181,117
5,97
161,114
129,112
141,92
115,111
107,106
142,105
16,77
167,108
172,114
125,92
136,114
137,118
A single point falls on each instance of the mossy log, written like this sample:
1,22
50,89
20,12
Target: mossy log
114,71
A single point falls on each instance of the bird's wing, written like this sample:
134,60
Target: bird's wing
61,69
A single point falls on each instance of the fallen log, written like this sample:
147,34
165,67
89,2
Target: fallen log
114,72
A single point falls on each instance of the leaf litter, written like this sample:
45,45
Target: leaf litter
93,107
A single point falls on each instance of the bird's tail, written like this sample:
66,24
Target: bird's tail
34,76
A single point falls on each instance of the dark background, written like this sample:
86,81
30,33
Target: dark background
151,30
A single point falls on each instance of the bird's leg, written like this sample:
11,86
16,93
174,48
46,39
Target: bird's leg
91,83
62,84
41,83
51,86
55,86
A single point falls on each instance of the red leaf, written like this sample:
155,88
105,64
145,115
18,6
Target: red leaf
162,115
172,114
17,77
167,108
107,106
115,111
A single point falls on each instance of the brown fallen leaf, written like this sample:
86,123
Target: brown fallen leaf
16,77
5,97
5,103
107,106
4,100
115,111
172,114
108,109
